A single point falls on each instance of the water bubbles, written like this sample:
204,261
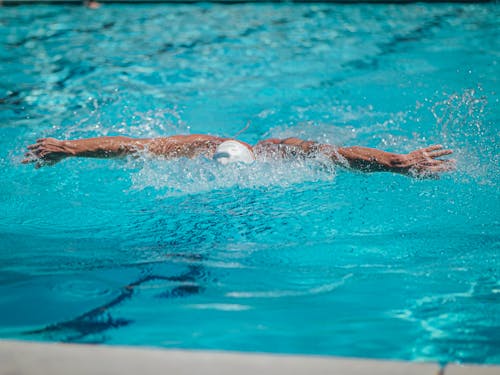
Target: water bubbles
460,121
460,112
273,239
187,176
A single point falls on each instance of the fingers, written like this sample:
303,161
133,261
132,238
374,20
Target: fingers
438,166
442,167
434,151
34,154
38,143
44,148
450,165
437,154
30,157
43,152
432,168
433,162
432,148
41,142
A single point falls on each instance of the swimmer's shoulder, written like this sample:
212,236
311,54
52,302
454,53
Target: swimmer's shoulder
195,138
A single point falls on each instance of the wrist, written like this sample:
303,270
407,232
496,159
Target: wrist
70,148
399,163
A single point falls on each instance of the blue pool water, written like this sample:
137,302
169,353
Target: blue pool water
272,257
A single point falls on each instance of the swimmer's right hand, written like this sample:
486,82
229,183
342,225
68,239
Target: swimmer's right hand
46,152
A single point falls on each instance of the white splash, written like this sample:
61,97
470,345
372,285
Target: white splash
187,176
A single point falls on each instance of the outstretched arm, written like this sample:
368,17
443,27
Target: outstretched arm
48,151
423,162
420,163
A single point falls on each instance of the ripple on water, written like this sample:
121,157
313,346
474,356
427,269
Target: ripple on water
79,289
272,242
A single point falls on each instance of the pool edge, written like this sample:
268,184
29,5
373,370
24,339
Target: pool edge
27,358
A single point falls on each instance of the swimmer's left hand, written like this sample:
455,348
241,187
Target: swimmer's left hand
424,163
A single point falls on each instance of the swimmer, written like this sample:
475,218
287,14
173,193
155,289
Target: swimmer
420,163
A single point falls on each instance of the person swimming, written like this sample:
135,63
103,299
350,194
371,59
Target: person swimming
424,162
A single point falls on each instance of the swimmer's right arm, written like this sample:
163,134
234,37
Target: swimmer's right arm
49,151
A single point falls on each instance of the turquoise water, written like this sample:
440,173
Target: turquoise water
272,257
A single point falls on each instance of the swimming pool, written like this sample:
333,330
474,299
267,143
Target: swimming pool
272,257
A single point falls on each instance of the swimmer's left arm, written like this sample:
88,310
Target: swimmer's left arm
419,163
423,162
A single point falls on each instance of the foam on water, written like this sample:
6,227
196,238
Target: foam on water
186,176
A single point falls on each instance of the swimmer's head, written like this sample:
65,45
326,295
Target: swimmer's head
234,152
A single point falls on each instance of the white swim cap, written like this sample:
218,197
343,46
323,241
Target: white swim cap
233,152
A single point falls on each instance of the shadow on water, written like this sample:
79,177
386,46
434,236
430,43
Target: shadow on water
100,319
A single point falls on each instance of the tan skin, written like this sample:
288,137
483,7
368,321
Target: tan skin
424,162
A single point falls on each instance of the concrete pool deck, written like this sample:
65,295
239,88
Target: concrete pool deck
30,358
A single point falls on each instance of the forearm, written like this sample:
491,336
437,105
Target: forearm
422,163
104,147
369,159
359,158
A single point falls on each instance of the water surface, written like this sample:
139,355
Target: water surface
272,257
